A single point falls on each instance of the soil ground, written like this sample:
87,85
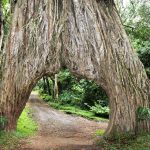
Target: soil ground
60,131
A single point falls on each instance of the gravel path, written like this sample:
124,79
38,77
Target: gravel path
60,131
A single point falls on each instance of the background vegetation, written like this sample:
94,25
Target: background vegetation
135,16
77,96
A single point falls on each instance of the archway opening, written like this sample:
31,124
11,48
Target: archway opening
69,109
66,89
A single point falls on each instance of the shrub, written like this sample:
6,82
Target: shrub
144,55
46,97
98,110
69,97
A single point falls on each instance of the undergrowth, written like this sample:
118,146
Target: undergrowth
140,142
76,111
72,109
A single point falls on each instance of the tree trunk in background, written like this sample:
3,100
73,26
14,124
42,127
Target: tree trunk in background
44,85
52,87
56,87
88,38
48,86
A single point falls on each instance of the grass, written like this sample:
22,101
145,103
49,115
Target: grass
76,110
69,109
100,132
141,142
26,125
25,128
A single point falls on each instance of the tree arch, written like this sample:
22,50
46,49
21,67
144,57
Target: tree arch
88,38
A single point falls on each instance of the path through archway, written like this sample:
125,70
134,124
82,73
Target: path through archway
58,130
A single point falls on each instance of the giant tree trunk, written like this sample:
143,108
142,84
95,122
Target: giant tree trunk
88,38
1,25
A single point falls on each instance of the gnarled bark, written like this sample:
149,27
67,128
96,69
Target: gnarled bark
1,25
88,38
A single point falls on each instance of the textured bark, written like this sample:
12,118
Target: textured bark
88,38
1,25
12,5
56,87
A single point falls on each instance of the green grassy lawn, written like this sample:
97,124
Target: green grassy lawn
25,127
77,111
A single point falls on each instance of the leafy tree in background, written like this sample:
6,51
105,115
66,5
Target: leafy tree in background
74,91
81,91
136,19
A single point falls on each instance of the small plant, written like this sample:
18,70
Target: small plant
69,97
143,113
46,97
100,132
98,110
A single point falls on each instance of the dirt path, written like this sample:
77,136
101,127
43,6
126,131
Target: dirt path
60,131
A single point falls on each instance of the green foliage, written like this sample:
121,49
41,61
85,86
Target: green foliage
66,78
98,110
46,97
9,140
74,91
3,121
135,17
141,142
143,50
94,93
76,110
71,91
6,15
79,91
69,97
25,127
77,96
143,113
100,132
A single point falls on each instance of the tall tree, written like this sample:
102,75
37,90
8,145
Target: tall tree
56,87
88,38
1,24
